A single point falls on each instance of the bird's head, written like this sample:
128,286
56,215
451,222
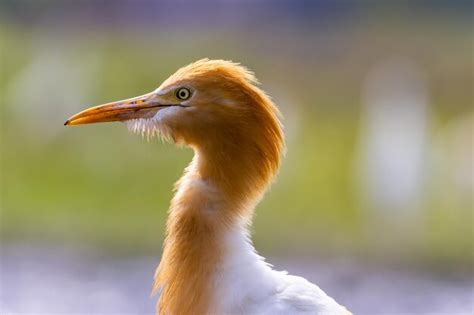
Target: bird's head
209,104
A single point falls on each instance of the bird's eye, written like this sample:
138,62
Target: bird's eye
183,94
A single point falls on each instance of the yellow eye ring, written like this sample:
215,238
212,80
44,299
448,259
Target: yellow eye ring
183,94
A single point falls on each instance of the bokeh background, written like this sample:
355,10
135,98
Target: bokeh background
374,201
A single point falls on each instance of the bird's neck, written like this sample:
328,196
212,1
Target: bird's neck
216,195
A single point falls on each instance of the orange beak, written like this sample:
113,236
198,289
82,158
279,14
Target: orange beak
144,106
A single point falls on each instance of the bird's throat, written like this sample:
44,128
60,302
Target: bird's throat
212,198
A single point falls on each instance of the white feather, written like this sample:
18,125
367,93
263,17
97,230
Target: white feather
153,127
246,284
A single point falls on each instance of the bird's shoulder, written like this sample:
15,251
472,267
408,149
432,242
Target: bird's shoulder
296,295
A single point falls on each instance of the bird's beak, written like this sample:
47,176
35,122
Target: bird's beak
138,107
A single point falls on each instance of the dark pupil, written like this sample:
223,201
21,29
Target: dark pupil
182,93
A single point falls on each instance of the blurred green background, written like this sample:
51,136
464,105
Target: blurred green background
377,105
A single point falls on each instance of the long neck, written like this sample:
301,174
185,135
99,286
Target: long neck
216,194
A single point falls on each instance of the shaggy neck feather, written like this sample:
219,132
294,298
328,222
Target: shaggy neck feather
215,196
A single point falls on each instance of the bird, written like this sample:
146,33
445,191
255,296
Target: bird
209,264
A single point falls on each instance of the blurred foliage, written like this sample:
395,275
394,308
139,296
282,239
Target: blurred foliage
101,186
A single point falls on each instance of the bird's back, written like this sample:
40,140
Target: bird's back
246,284
299,296
295,295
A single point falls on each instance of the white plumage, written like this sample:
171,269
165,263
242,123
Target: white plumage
246,284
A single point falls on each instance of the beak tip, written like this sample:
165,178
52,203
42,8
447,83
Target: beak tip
66,123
